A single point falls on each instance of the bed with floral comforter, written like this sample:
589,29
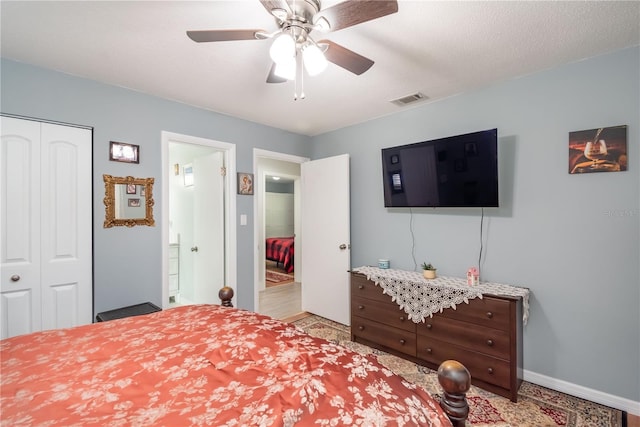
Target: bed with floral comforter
200,365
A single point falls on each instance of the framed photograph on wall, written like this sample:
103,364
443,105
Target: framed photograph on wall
598,150
131,189
245,183
121,152
134,203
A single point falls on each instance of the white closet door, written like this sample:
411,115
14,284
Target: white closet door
46,279
66,227
20,279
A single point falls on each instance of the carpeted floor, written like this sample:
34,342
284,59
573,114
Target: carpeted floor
537,406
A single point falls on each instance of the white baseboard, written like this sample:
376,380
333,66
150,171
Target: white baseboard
583,392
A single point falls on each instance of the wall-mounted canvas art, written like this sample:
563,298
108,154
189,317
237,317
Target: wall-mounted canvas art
122,152
598,150
245,183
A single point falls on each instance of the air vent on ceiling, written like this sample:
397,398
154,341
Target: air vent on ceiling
410,99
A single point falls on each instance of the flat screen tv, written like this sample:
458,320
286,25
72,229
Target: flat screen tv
457,171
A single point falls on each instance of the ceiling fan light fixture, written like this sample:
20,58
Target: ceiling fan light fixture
322,24
283,49
286,70
314,60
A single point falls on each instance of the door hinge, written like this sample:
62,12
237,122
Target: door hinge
223,171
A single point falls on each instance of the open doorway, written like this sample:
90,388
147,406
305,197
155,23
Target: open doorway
277,231
198,227
280,229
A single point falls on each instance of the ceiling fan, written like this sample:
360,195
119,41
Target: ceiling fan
293,47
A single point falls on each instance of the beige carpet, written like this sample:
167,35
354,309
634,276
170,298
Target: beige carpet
537,406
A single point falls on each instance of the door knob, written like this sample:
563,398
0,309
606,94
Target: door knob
343,247
194,249
15,278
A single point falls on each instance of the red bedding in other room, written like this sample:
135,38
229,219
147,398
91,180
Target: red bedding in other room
280,249
200,365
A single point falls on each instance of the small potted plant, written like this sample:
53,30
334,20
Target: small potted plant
428,270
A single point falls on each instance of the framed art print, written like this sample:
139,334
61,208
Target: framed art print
598,150
121,152
245,183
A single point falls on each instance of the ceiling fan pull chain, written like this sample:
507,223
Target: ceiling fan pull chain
299,76
300,67
295,81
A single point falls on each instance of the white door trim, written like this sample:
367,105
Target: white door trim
231,267
259,153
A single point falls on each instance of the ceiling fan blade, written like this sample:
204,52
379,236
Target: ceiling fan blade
352,12
345,58
272,78
201,36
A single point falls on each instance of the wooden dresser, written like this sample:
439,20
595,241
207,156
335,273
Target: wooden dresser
484,335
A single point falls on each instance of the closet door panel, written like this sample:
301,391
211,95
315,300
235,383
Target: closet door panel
20,295
66,226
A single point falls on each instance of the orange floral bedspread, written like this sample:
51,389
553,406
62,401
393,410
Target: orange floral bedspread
200,365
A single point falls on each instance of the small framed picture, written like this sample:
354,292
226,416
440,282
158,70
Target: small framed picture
245,183
143,191
121,152
131,189
598,150
134,203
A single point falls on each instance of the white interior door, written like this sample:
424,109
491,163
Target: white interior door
209,238
66,239
325,236
21,297
46,227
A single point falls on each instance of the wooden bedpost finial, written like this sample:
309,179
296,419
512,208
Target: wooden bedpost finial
455,381
225,295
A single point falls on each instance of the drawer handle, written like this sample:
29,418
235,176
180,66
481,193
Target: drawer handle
361,328
490,371
360,287
429,326
403,342
402,318
489,315
429,351
361,307
490,343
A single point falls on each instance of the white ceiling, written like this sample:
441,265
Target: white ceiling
438,48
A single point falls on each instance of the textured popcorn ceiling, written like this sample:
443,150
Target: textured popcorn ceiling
437,48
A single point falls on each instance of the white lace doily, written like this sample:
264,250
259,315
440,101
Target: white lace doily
420,298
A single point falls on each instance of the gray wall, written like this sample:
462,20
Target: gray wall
127,266
552,226
572,239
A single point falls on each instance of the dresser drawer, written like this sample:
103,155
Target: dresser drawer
389,312
361,287
482,367
494,342
489,311
397,339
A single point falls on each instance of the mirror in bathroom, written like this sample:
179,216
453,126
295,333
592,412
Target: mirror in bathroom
128,201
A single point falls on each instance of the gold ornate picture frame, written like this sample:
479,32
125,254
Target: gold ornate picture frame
119,211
